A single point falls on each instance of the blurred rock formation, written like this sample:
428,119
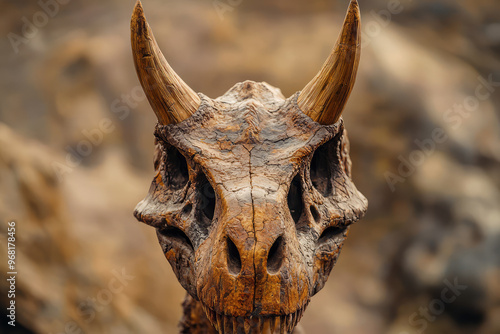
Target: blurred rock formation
420,71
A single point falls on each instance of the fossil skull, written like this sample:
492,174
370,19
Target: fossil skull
252,198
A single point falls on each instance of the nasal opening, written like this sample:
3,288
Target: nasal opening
275,257
233,258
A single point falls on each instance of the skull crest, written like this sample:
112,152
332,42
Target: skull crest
252,198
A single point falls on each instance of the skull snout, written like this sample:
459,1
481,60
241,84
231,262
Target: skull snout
273,254
251,265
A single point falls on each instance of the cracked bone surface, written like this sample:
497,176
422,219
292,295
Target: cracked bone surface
252,198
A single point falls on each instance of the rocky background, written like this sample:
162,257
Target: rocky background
425,135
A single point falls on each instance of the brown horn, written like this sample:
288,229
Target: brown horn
324,98
171,98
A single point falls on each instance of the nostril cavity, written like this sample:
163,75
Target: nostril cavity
275,257
233,258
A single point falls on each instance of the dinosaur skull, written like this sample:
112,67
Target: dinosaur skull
252,198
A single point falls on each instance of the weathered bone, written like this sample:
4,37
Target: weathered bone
324,98
171,98
252,199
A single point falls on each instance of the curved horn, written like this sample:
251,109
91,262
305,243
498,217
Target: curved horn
324,98
171,98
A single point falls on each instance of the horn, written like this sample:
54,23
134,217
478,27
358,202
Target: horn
324,98
171,98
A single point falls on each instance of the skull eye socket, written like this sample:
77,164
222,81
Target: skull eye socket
295,199
176,173
207,197
322,164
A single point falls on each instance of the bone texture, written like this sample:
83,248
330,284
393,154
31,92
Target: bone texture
252,201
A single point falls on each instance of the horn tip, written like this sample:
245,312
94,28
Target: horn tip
354,9
138,23
354,6
352,25
138,10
